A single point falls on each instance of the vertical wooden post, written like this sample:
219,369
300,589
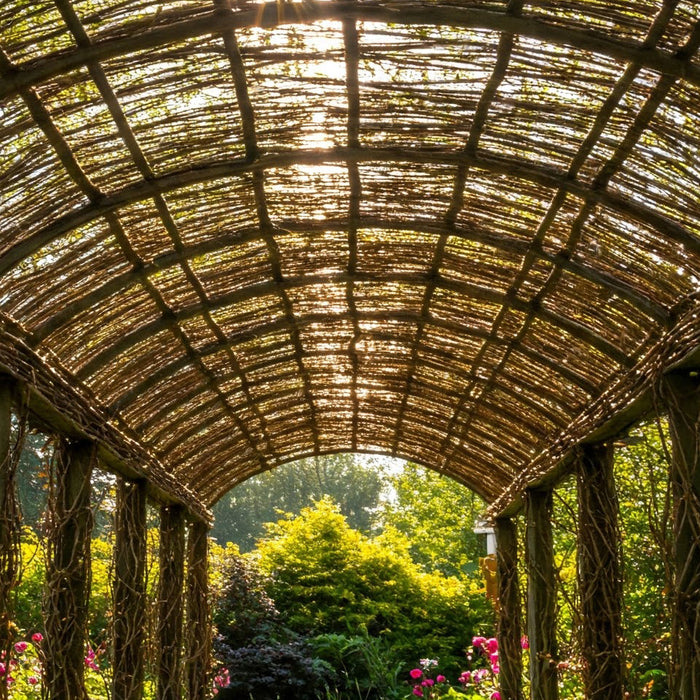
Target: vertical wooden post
198,616
541,596
170,593
9,525
68,571
129,591
681,392
509,626
600,585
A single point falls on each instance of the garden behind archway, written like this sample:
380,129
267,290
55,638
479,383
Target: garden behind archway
233,235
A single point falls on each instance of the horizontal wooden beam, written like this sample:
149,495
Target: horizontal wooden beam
282,324
464,289
500,165
67,407
141,35
471,233
619,408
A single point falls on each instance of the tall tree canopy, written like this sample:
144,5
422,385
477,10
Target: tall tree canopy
355,483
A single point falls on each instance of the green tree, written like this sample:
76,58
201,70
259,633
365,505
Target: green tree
437,515
357,484
328,578
642,476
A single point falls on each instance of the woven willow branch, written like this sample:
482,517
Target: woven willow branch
681,393
129,591
599,578
10,522
170,602
68,573
198,628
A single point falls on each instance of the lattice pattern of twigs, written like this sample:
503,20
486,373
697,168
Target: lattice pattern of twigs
255,232
68,572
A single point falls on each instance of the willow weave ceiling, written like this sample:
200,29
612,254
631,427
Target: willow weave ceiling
438,230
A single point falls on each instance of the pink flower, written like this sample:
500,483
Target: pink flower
32,680
465,677
479,675
440,678
416,673
418,692
90,660
478,641
495,695
496,669
493,658
524,642
3,668
428,682
492,645
21,647
37,637
222,679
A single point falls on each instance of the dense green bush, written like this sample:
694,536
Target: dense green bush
328,578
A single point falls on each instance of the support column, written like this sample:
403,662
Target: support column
129,591
541,596
681,392
600,584
68,571
509,626
170,593
198,615
9,525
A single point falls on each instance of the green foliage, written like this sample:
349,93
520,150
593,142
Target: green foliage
356,484
329,578
25,675
437,515
641,472
364,665
29,594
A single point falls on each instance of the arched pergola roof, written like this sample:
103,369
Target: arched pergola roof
453,231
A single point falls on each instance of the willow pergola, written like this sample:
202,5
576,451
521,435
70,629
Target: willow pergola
233,235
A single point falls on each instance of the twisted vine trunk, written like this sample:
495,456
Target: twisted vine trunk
68,571
681,392
541,596
509,622
170,585
599,580
129,591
